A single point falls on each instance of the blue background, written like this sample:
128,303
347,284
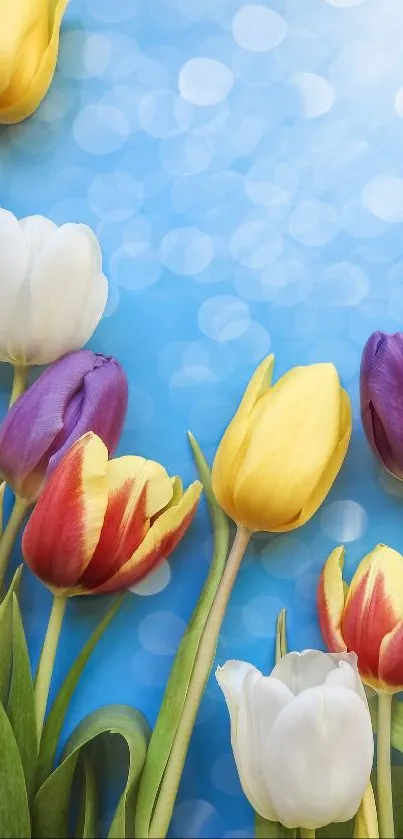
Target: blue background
248,201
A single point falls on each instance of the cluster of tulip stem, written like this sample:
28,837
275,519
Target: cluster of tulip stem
274,467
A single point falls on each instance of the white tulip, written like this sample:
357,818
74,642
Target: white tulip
302,737
52,289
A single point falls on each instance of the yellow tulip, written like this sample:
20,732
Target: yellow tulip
284,447
29,42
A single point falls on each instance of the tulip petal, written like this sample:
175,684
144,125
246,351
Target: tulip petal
374,606
254,703
299,415
382,398
333,465
137,490
258,385
317,773
99,405
330,600
63,531
162,538
13,264
94,308
234,443
391,660
21,465
64,272
38,56
18,21
310,668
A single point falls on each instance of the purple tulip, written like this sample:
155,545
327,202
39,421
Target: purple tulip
382,398
81,392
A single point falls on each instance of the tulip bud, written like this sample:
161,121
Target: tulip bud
367,616
382,398
29,43
284,447
100,526
53,291
302,737
81,392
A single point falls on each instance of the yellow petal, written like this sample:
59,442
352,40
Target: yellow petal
137,490
142,474
27,67
258,385
366,820
18,21
296,431
331,597
385,567
233,445
333,466
159,542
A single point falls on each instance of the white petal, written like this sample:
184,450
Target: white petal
231,677
304,670
93,310
319,757
13,263
61,281
254,701
37,231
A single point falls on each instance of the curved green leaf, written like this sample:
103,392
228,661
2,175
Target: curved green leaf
14,809
176,690
6,636
55,719
51,803
21,701
87,822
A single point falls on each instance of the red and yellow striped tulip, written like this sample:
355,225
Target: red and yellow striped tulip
367,616
100,526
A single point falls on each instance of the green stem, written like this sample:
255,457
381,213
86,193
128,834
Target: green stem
306,833
47,660
201,671
384,773
10,534
20,382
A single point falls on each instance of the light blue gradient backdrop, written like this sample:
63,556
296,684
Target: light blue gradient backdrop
249,205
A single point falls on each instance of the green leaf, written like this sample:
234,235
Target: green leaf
281,636
87,822
21,701
272,830
55,719
14,809
176,690
51,803
6,636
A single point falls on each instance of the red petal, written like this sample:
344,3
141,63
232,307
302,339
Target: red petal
65,526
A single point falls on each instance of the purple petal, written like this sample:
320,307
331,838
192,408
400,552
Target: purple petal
37,417
100,406
382,398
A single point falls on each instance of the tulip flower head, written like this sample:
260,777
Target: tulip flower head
381,385
284,447
53,291
302,737
366,616
81,392
29,43
100,526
